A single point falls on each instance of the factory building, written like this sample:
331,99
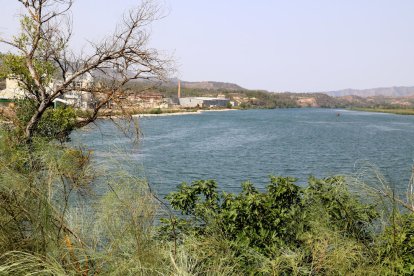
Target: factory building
203,102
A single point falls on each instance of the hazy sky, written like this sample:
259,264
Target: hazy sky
289,45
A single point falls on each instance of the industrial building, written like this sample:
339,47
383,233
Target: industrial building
203,102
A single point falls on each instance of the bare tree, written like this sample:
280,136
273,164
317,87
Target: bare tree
119,58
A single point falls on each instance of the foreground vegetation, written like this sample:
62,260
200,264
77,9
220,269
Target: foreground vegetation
55,221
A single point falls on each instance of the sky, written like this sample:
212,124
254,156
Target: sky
276,45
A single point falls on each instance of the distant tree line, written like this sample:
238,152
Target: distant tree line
265,99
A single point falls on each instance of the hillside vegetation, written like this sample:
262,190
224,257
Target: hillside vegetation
263,99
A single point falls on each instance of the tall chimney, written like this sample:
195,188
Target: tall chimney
179,89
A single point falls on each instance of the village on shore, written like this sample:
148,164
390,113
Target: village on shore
149,99
148,102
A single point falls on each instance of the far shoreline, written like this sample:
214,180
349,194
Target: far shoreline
200,111
396,111
165,113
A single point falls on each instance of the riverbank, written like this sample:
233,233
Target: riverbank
398,111
169,113
181,113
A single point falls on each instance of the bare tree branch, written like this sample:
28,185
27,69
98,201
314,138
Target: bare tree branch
118,58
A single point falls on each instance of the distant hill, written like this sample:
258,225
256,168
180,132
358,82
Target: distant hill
400,91
393,97
212,85
207,85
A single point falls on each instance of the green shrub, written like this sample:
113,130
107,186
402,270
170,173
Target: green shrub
253,219
155,111
323,228
56,123
396,244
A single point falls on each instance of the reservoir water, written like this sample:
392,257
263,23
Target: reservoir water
236,146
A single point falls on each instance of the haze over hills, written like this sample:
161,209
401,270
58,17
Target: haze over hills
396,91
212,85
208,85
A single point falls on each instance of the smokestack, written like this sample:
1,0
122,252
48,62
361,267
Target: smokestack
179,89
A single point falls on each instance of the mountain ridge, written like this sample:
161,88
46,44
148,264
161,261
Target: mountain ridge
208,85
393,91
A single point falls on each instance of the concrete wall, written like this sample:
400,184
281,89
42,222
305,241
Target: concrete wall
191,102
203,102
216,102
12,91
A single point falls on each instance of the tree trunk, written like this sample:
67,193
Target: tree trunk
34,121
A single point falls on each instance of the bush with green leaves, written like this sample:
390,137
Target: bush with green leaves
324,225
396,243
155,111
15,67
56,123
276,217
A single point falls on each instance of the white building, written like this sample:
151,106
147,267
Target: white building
203,102
76,98
12,91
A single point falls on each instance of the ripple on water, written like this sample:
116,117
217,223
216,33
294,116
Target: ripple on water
232,147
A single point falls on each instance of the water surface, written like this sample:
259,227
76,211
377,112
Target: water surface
236,146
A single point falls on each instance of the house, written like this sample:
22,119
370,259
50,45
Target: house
148,100
76,98
80,95
12,91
